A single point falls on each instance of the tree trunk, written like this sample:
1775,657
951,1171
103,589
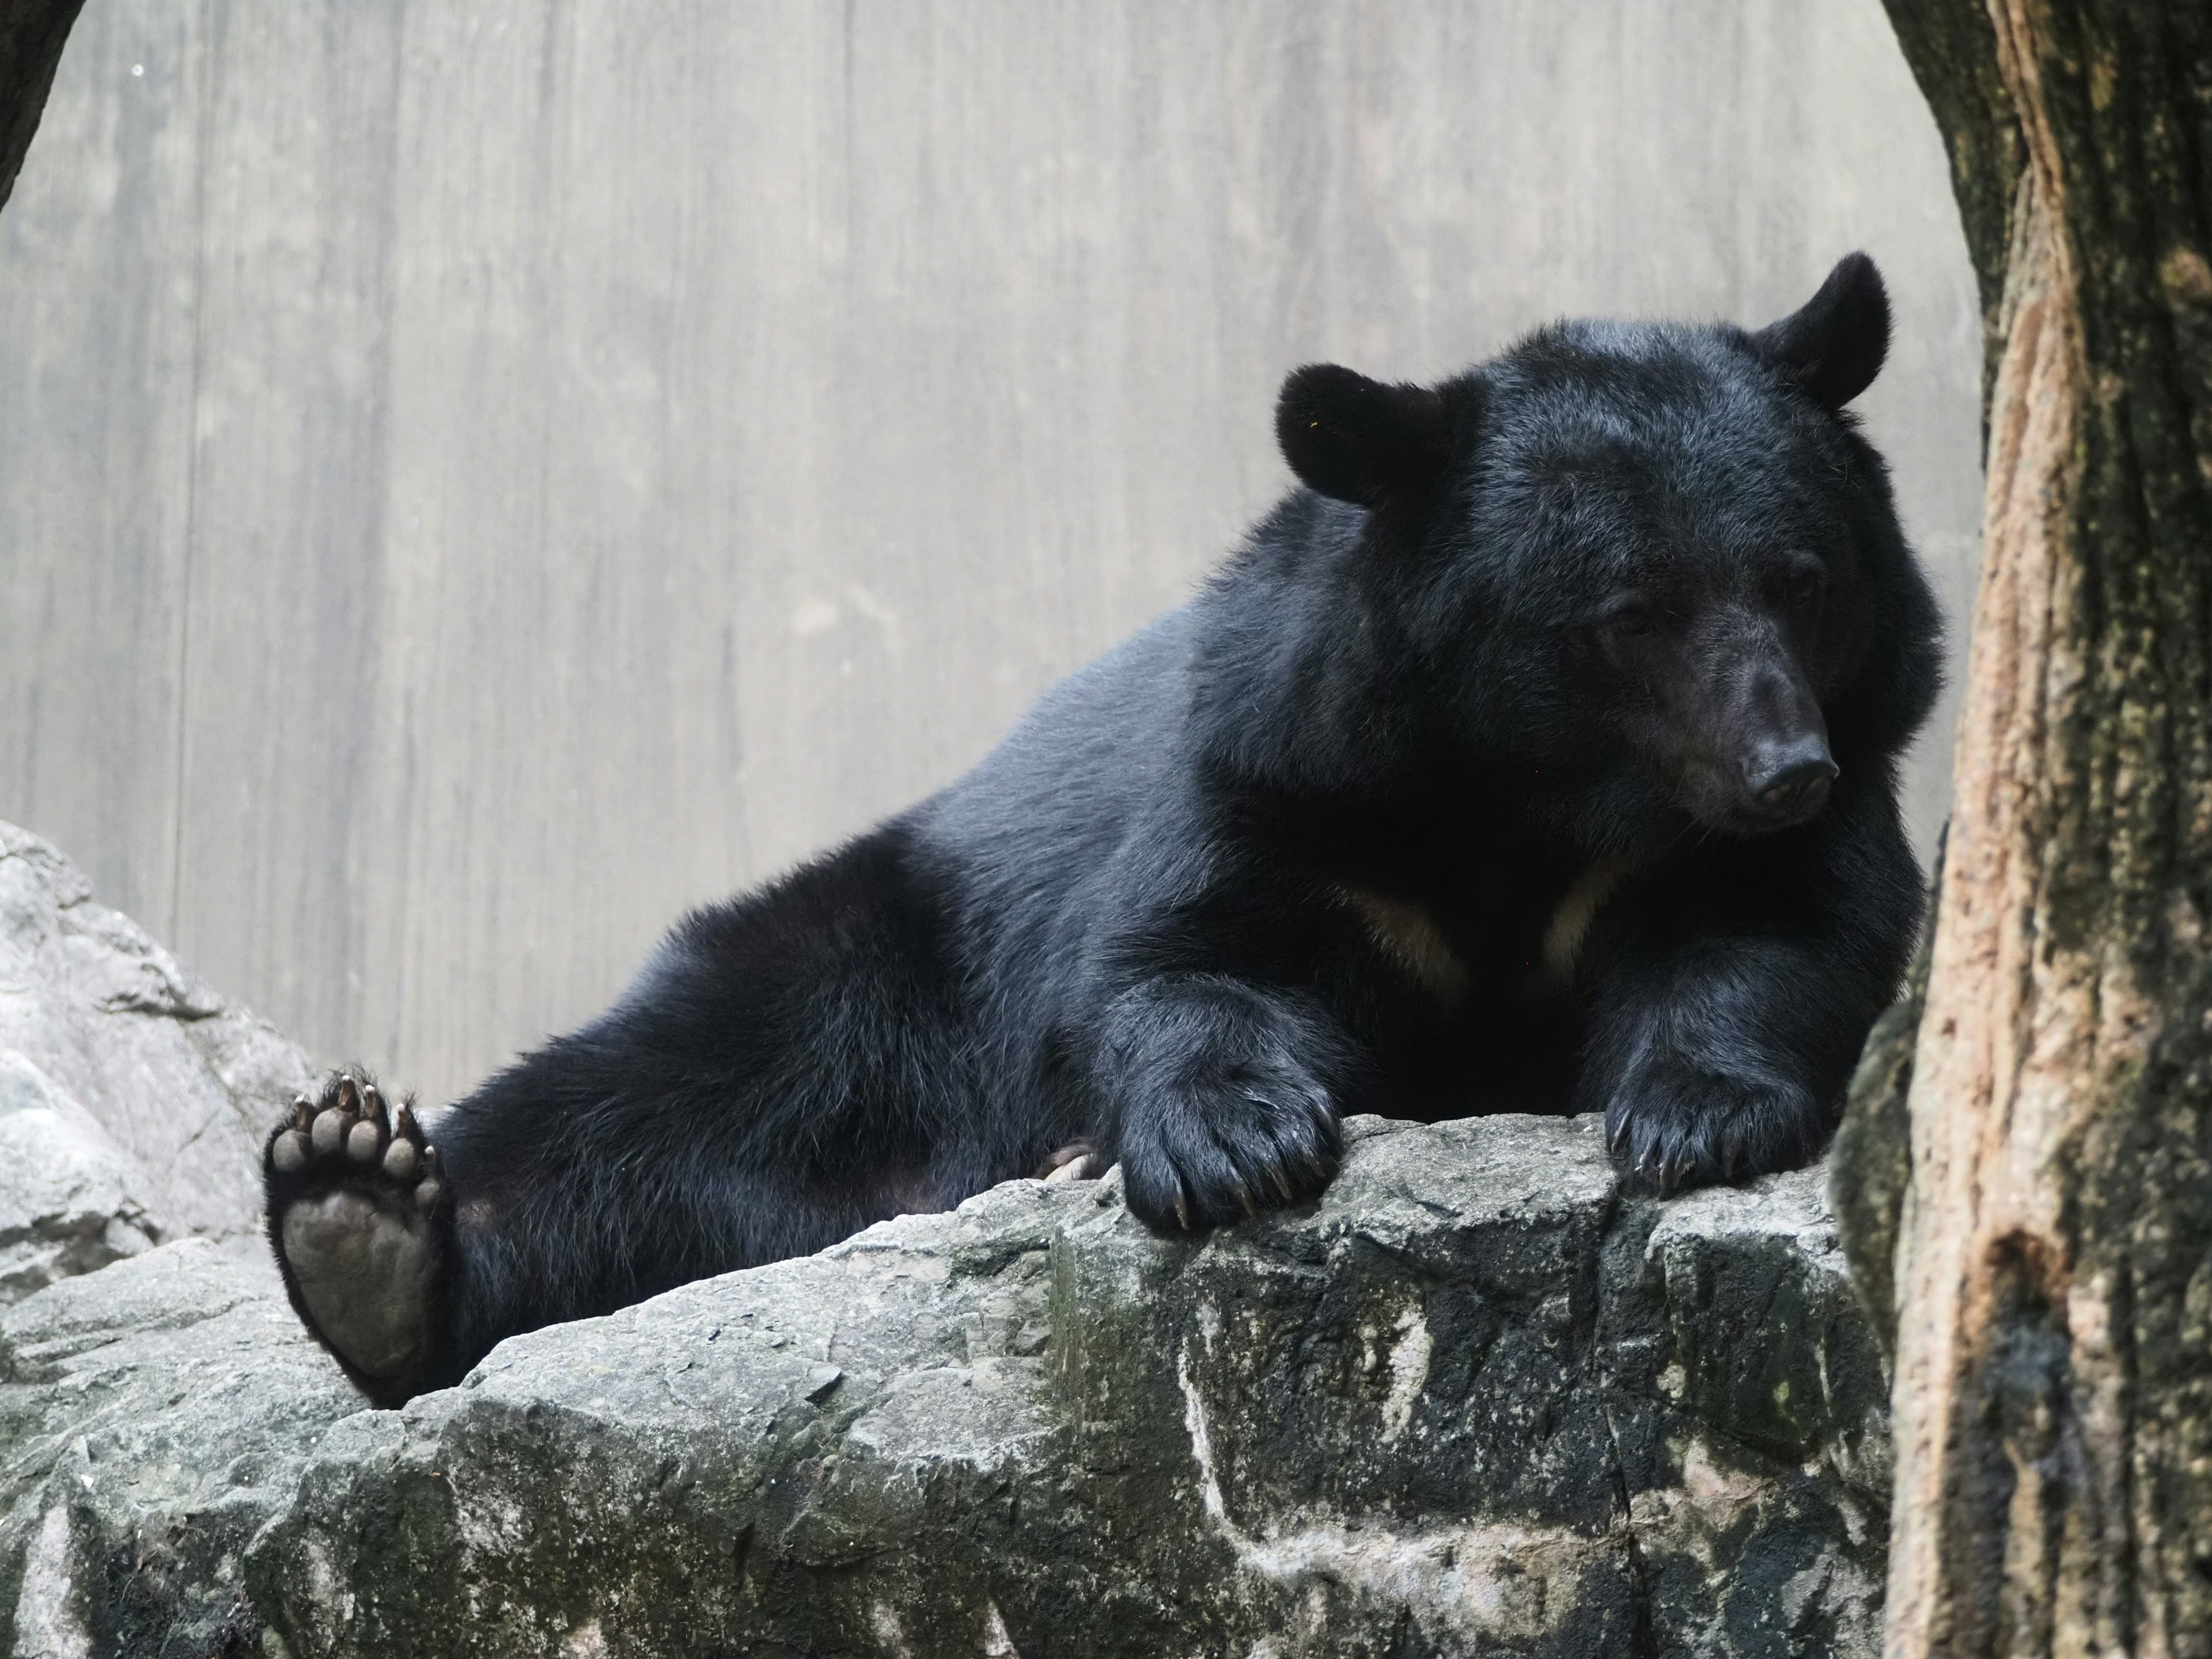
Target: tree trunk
2053,1276
31,36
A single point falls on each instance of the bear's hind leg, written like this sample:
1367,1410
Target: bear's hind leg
361,1222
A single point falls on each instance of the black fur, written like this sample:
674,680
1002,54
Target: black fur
1587,602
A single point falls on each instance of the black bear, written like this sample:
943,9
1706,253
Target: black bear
1537,754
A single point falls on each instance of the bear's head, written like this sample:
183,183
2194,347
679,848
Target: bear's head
1656,564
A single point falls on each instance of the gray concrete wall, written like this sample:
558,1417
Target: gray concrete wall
478,476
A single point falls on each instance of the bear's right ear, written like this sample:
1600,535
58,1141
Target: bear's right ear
1358,440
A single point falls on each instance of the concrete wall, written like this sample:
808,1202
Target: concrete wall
475,478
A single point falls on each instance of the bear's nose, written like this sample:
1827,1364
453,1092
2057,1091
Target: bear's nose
1794,779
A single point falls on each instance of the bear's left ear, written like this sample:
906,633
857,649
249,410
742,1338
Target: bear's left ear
1359,439
1833,345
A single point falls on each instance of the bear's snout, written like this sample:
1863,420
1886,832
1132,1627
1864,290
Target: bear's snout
1789,781
1780,741
1752,740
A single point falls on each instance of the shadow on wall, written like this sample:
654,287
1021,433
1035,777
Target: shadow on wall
477,479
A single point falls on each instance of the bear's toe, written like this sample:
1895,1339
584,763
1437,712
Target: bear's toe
1080,1160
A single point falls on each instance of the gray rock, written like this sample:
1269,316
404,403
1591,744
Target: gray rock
1475,1401
1870,1166
67,1203
153,1415
184,1084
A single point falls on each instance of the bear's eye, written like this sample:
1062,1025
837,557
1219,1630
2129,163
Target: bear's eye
1805,583
1628,617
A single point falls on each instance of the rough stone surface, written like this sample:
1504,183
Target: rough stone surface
68,1197
182,1083
152,1416
1479,1400
1870,1165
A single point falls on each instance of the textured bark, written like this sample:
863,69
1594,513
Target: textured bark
1870,1166
2053,1400
31,36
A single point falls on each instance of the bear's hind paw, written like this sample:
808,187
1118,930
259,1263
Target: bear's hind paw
357,1214
1080,1160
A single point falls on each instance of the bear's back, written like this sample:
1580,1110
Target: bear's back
1035,838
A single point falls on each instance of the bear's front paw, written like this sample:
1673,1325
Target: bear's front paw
1207,1149
1679,1126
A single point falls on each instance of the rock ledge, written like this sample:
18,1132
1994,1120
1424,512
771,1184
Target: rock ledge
1479,1400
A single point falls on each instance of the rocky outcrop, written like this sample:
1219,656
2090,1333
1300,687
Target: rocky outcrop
1476,1400
1479,1400
129,1072
69,1196
153,1416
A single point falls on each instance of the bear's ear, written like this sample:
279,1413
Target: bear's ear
1834,344
1359,439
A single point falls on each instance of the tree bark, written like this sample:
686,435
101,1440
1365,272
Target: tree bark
31,36
2053,1274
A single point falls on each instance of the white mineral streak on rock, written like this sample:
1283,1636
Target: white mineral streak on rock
47,1623
325,1584
1409,1372
1473,1583
1691,1516
997,1645
888,1630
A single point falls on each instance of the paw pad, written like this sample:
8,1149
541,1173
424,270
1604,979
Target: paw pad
349,1129
355,1203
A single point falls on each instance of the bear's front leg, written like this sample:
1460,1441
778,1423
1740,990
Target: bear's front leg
1729,998
1728,1063
1221,1098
